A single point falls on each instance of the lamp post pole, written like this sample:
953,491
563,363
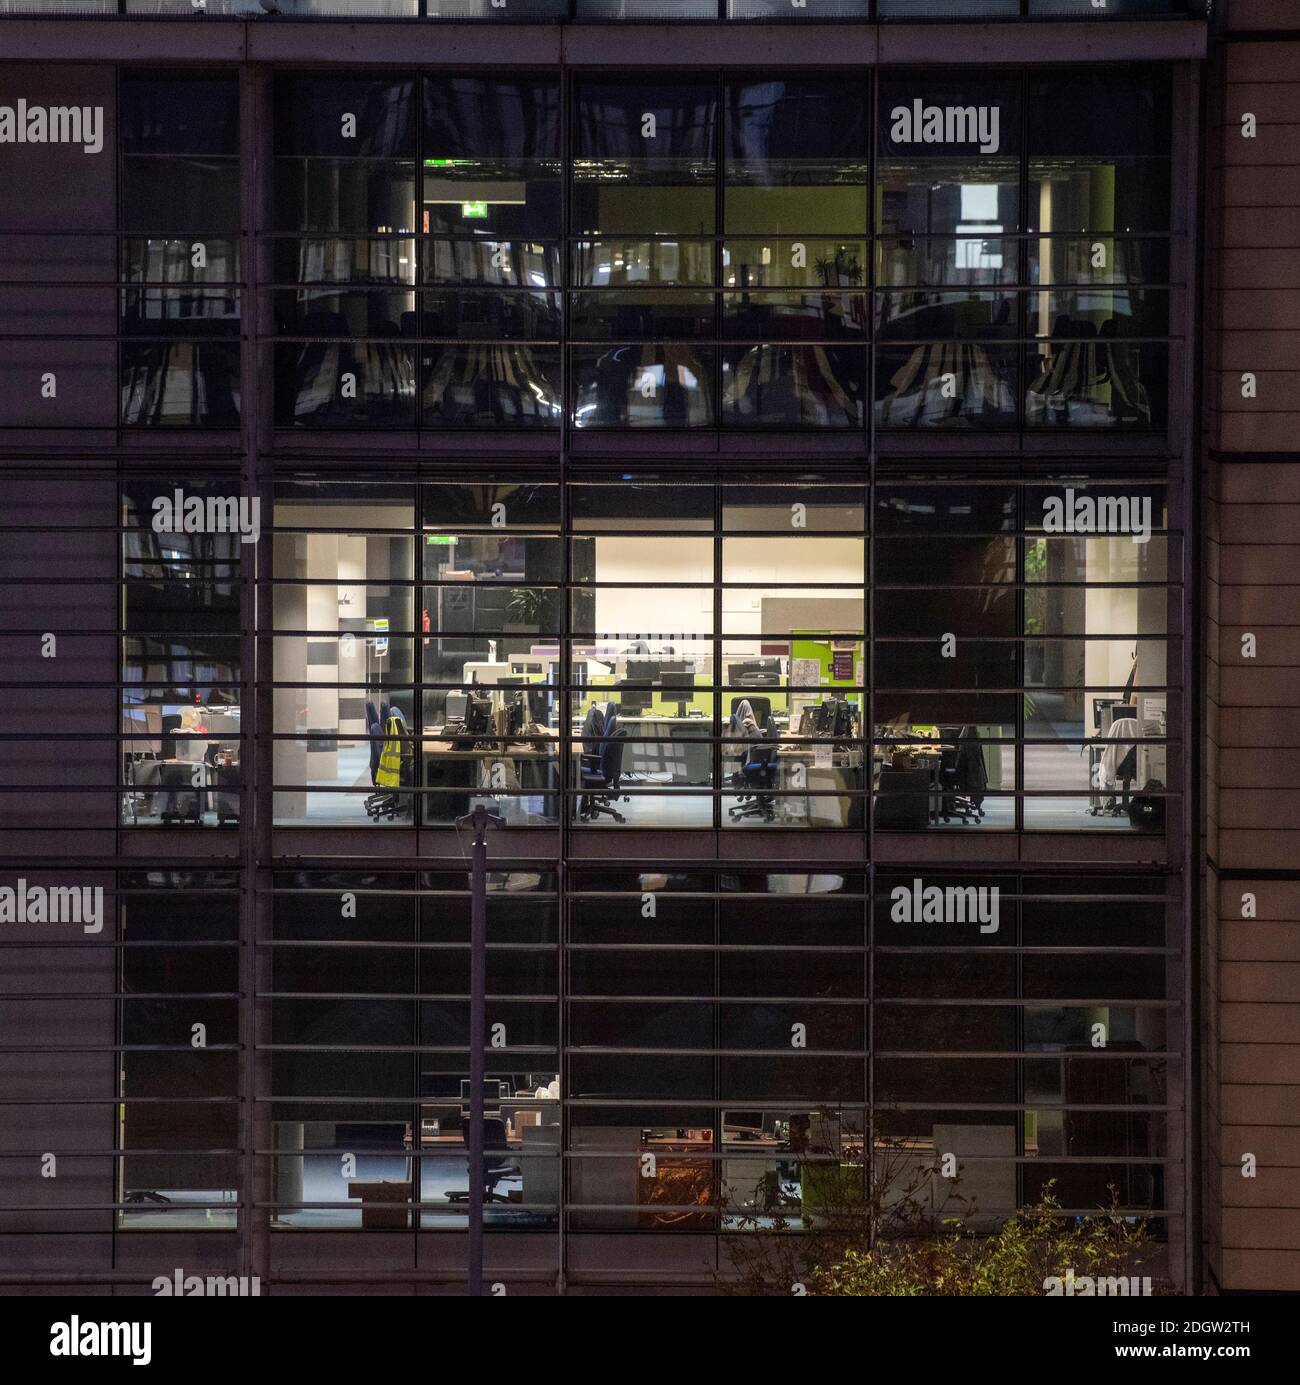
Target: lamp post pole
479,819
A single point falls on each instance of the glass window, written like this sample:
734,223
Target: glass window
491,161
178,1129
645,157
797,156
180,305
180,623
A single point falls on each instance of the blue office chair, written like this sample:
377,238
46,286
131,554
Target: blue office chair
601,765
384,802
758,765
374,729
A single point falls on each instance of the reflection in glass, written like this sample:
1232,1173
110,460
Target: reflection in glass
177,383
643,386
488,385
797,159
946,384
646,157
941,260
491,164
344,384
811,386
1096,382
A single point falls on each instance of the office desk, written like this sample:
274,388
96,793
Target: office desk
383,1203
534,1148
929,757
530,767
674,746
174,782
828,788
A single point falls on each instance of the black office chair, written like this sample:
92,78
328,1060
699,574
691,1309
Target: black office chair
963,777
496,1161
758,766
182,798
601,764
1117,806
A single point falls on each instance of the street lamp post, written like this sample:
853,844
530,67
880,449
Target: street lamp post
478,818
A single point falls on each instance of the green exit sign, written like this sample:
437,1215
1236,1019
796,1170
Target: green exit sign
469,209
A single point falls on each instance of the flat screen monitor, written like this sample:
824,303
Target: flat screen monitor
634,700
478,715
642,670
494,1091
748,1122
680,681
756,673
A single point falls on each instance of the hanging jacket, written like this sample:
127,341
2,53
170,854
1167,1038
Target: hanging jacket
389,774
1116,752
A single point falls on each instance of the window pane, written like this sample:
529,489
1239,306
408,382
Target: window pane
797,156
491,156
646,157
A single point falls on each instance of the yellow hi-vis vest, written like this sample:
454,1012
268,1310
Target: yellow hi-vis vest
389,774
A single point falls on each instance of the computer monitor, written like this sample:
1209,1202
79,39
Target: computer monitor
679,681
743,1122
643,670
478,716
755,673
1113,705
494,1091
456,705
632,701
845,716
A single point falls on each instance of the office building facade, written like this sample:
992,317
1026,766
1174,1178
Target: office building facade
810,470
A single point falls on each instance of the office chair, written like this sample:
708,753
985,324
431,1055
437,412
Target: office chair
496,1165
757,771
963,777
182,799
374,728
601,764
1118,768
394,769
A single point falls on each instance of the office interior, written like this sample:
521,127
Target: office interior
976,1044
661,669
